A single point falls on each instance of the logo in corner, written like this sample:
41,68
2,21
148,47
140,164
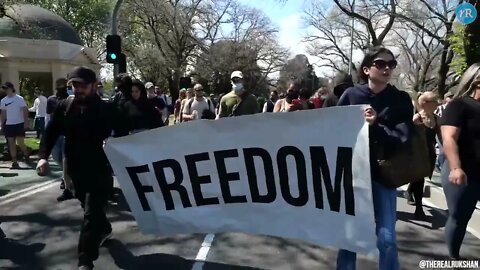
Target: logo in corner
466,13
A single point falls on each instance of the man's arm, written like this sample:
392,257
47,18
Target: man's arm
25,115
52,132
187,114
3,117
222,109
265,107
278,105
36,103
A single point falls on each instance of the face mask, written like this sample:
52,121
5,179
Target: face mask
237,87
323,97
69,92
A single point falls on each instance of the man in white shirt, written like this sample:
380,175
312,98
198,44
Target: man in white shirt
14,120
198,107
40,109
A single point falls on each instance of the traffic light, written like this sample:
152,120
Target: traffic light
122,63
114,48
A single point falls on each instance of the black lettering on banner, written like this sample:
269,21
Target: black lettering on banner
226,177
249,154
166,188
321,174
197,181
133,172
282,155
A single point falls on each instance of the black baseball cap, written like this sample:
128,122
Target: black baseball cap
82,75
8,85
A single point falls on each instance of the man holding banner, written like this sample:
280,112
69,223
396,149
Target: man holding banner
240,180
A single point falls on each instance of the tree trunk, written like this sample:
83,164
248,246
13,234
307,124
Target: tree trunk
472,38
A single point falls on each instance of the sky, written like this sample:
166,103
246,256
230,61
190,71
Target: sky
288,18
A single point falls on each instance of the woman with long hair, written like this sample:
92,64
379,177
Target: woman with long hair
460,127
426,104
390,129
138,113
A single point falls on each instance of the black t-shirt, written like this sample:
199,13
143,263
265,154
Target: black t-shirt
52,102
157,102
464,113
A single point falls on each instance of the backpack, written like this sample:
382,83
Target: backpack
207,113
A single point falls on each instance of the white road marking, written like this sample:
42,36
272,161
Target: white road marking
429,203
31,192
203,252
13,194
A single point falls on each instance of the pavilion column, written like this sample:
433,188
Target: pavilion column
11,74
57,73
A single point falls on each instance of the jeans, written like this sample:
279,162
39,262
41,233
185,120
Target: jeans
461,202
385,210
58,151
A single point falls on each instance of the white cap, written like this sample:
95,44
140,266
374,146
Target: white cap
237,74
148,85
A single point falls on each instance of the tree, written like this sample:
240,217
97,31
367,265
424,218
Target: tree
90,18
457,43
250,46
299,69
419,57
427,17
472,38
330,40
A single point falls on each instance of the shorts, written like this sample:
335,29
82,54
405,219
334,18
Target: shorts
14,131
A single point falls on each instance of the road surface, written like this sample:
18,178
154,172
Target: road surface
42,234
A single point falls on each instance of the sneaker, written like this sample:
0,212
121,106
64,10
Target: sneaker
66,195
409,197
84,267
105,237
15,166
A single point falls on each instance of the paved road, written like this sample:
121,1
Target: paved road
43,233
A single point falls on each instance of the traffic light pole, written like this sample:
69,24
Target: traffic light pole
114,30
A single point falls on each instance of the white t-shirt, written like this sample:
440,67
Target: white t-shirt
198,106
14,106
40,107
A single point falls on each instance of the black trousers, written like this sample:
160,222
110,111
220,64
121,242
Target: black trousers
416,189
93,198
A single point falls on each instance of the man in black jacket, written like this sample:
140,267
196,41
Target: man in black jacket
85,121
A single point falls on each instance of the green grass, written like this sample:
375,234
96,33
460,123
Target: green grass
32,143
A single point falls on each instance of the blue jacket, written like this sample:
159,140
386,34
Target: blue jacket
394,118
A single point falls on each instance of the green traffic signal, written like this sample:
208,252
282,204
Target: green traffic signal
113,56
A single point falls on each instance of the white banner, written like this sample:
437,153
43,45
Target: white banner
302,175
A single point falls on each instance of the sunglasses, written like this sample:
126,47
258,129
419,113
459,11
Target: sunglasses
382,64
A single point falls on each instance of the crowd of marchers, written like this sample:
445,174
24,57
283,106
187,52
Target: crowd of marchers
78,124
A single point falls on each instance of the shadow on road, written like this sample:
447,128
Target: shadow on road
4,192
124,259
23,256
